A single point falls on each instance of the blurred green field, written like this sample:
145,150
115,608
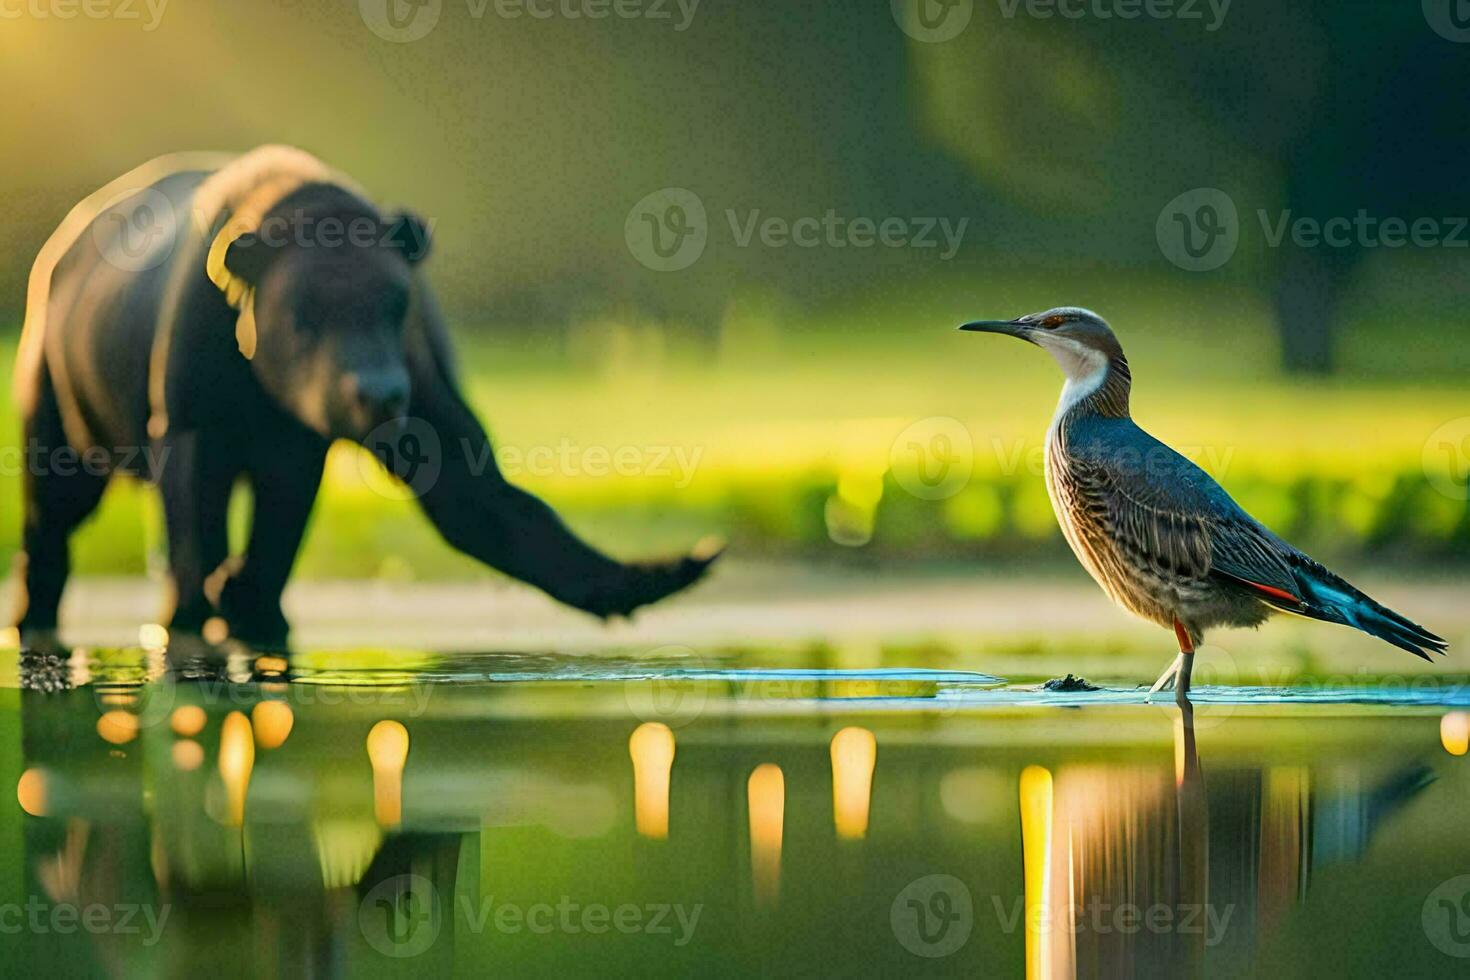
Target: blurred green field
782,433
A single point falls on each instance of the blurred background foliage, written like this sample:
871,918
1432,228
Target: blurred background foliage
1322,386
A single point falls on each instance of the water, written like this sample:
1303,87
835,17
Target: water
192,813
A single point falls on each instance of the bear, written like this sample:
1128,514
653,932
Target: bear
233,316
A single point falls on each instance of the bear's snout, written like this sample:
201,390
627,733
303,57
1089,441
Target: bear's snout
377,397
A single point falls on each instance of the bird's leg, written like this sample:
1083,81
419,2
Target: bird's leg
1166,678
1185,661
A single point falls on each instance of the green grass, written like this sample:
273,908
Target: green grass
787,425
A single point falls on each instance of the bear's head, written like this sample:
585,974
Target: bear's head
327,283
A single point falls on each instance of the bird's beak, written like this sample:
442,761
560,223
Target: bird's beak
1012,328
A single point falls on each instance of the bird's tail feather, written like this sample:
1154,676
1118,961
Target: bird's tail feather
1328,596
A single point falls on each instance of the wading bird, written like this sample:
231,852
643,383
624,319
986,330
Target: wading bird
1154,530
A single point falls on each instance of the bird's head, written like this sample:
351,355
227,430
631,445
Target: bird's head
1080,340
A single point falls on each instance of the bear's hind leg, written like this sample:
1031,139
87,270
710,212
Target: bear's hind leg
59,493
196,481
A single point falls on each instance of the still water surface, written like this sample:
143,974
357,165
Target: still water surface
188,813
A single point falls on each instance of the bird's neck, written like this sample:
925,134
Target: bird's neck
1097,384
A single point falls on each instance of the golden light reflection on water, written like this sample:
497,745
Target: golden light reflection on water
187,720
766,796
187,755
854,754
652,747
387,748
236,760
1454,732
1036,826
117,726
272,721
30,792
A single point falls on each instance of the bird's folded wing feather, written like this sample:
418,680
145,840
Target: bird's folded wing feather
1168,515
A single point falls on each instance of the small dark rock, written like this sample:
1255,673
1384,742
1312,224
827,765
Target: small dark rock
1069,685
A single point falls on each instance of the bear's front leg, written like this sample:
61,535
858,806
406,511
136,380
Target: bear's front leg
285,473
197,474
481,514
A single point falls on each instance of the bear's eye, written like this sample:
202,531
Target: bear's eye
1055,320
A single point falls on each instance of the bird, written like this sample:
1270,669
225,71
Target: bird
1156,532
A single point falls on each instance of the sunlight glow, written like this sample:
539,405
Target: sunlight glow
652,747
854,754
766,795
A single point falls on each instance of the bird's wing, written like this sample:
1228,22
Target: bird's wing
1169,515
1166,514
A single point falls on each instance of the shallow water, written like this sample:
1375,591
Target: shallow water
198,812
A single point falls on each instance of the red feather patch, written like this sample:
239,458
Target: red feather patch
1281,594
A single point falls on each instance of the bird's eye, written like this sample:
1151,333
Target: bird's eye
1055,320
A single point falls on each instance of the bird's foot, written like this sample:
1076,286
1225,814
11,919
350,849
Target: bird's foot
1166,679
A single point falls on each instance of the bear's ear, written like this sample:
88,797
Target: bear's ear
408,233
247,256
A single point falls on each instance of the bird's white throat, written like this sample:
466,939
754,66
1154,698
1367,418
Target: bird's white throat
1085,368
